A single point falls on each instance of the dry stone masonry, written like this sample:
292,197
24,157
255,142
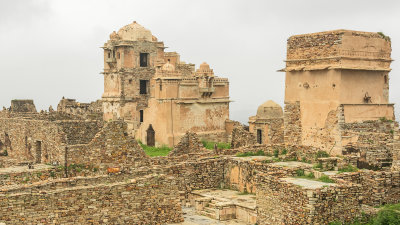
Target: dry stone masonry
331,154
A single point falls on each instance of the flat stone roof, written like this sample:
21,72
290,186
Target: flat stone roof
293,164
226,196
306,183
23,169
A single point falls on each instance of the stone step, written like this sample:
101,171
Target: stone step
210,210
208,214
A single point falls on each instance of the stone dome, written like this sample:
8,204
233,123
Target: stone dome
135,32
168,67
269,110
205,69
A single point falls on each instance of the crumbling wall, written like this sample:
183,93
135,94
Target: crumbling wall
144,200
281,202
111,147
377,187
79,131
32,140
292,123
92,110
189,143
242,137
24,106
372,141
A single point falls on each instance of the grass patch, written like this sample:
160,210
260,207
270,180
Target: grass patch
246,154
284,151
348,168
318,166
155,151
326,179
322,154
276,153
387,38
220,145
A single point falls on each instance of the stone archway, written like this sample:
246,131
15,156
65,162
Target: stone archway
151,139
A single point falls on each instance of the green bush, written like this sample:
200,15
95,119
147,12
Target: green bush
300,173
276,153
318,166
322,154
284,151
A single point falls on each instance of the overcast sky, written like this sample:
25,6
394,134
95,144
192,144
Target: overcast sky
50,48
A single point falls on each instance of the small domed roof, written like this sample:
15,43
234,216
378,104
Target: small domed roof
135,32
269,110
205,70
168,67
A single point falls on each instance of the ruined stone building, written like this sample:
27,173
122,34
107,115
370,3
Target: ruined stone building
78,165
336,81
159,96
267,125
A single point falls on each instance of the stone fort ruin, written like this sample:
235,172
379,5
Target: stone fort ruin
331,154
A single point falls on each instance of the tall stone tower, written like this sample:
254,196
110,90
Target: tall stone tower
130,58
159,96
333,79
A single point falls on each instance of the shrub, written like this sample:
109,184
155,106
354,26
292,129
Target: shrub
322,154
284,151
318,166
276,153
300,173
348,168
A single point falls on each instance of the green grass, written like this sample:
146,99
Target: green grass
220,145
276,153
348,168
324,178
318,166
246,154
155,151
322,154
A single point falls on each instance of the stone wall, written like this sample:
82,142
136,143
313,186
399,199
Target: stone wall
292,123
112,147
22,106
32,140
92,110
377,187
372,141
189,143
242,137
281,202
145,200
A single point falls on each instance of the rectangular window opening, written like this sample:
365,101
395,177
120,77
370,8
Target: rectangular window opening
143,87
144,59
141,115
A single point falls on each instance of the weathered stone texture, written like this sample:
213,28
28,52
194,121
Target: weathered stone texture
146,200
111,147
24,106
292,123
242,137
189,143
